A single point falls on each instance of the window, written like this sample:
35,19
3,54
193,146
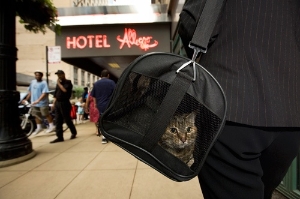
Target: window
80,3
82,78
75,76
89,80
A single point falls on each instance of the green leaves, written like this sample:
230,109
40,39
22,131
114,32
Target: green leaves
37,15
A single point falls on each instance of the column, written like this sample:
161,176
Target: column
13,142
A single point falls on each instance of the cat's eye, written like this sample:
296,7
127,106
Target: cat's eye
173,130
188,129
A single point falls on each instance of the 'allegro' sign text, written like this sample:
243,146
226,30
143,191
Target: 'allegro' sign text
130,38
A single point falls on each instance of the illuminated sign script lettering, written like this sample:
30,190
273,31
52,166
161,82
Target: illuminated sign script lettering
90,41
130,38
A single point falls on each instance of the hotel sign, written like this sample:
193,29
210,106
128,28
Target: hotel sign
130,38
89,41
114,40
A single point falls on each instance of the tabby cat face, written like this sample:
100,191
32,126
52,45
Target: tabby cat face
181,132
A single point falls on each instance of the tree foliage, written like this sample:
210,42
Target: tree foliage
37,15
77,91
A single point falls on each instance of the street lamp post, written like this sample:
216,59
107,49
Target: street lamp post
14,145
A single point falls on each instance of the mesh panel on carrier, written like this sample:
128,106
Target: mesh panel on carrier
191,130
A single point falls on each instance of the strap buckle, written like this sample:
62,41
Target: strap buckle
197,50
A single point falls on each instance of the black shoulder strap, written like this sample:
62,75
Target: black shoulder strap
206,24
182,82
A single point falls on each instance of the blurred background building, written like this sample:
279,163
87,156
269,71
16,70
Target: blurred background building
83,72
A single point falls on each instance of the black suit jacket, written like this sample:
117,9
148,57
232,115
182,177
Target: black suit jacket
255,56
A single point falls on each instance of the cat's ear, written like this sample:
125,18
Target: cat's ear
191,116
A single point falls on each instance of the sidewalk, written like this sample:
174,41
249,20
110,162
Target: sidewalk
85,168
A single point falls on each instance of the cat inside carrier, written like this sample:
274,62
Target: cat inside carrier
168,110
162,118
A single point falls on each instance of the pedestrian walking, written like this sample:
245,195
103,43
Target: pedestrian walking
93,112
80,112
62,95
101,94
84,97
38,94
74,112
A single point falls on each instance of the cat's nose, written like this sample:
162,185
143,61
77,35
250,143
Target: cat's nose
183,139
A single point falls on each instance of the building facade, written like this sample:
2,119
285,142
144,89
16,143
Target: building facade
32,57
32,47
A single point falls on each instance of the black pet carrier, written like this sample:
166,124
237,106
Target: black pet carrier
167,110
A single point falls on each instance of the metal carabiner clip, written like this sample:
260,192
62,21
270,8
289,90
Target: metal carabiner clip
196,51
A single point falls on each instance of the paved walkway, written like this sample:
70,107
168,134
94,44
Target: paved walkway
84,168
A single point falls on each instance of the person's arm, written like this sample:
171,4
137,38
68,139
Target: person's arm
86,108
61,86
40,98
95,103
53,104
87,102
83,96
54,99
28,95
26,98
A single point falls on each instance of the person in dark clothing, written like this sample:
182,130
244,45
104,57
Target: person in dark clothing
254,54
84,97
62,95
101,94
